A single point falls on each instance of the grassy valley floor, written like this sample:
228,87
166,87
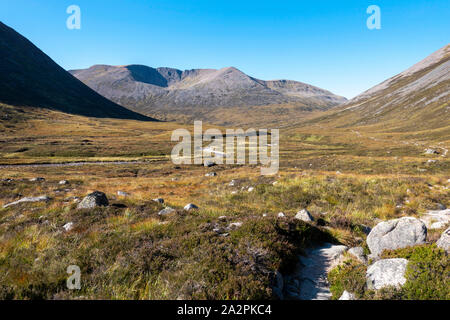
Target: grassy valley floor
233,245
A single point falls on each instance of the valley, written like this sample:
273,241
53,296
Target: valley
357,209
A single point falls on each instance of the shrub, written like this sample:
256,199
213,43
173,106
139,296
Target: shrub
427,274
350,276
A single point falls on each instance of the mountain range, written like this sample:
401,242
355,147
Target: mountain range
415,99
29,78
168,91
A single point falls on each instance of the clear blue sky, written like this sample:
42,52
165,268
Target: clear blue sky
324,43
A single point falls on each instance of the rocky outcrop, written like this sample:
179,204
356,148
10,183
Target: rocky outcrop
436,219
386,272
395,234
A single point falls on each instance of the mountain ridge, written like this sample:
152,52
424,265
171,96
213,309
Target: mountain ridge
417,98
168,90
30,78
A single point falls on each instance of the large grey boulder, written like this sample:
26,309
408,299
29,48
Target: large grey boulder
444,241
395,234
386,272
304,215
93,200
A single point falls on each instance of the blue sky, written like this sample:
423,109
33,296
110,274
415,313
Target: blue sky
324,43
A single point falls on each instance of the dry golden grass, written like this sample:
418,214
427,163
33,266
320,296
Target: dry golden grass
354,178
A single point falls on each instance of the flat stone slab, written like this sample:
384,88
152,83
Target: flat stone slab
28,199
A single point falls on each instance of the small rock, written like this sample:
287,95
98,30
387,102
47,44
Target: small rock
64,182
223,218
386,272
358,253
274,183
219,230
93,200
251,189
166,210
211,174
235,225
304,215
347,296
209,163
395,234
281,215
38,179
444,241
68,226
431,151
159,200
232,183
122,193
190,206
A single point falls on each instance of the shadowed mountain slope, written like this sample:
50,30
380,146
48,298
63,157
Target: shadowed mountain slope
29,78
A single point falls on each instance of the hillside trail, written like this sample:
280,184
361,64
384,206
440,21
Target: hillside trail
310,280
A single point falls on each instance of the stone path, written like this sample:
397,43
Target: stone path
310,282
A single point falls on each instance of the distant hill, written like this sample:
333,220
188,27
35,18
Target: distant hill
416,99
29,78
169,92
